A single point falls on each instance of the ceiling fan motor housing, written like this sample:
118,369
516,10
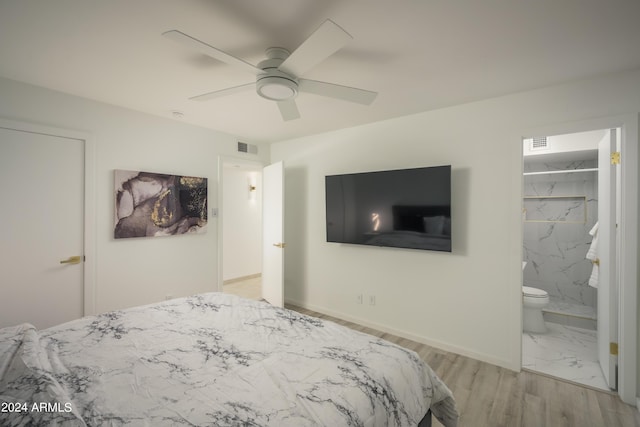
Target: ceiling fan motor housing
274,84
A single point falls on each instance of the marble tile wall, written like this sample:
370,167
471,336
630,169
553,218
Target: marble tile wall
556,235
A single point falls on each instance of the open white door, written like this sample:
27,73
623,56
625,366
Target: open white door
273,234
607,289
41,250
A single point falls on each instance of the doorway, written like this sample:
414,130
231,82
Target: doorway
627,296
241,227
564,206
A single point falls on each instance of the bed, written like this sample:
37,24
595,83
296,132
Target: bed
213,360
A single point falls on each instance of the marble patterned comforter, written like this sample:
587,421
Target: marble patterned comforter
212,360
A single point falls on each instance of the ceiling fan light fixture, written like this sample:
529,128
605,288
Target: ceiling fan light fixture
276,88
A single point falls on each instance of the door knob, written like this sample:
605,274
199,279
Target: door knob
72,260
280,245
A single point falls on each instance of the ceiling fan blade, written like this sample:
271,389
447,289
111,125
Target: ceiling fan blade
324,41
346,93
224,92
289,110
211,51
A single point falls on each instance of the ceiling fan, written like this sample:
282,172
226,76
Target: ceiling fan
278,76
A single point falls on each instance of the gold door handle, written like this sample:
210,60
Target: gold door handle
72,260
280,245
596,262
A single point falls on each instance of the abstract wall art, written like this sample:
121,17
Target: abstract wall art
151,204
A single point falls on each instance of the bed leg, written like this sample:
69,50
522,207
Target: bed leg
426,421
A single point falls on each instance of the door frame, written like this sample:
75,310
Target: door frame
628,244
608,250
89,205
222,159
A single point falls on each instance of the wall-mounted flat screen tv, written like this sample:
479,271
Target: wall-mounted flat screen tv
406,208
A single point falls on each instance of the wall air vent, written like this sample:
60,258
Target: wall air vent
539,143
243,147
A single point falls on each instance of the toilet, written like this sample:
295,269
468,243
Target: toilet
534,300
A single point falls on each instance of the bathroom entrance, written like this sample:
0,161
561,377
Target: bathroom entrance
569,246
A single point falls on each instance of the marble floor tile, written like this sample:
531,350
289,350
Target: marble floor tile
565,352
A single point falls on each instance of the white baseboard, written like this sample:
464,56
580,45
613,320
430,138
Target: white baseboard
408,335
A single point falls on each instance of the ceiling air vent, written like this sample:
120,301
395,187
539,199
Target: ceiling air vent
243,147
539,143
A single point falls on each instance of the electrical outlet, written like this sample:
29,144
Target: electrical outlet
168,297
372,300
359,298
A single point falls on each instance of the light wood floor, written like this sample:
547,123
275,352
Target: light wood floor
491,396
247,287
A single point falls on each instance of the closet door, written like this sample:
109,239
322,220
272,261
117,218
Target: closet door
42,217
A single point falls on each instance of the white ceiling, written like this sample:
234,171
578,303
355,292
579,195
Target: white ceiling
418,54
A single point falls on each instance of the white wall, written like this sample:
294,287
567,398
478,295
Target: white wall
134,271
468,301
242,223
